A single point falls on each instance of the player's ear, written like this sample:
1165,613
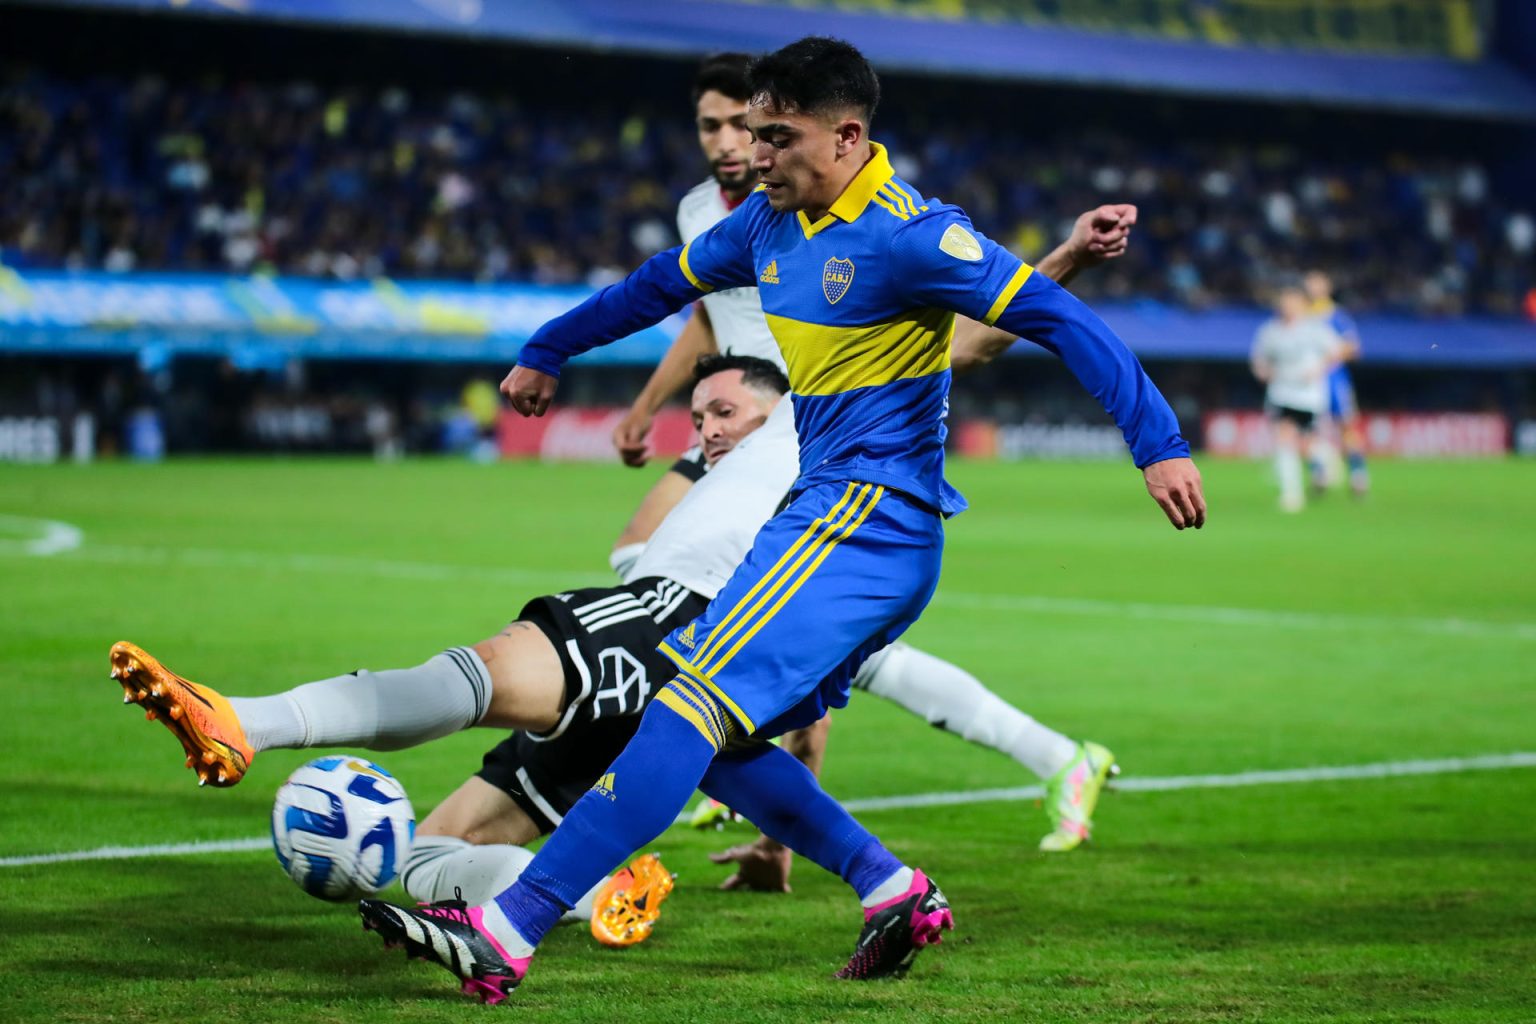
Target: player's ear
850,132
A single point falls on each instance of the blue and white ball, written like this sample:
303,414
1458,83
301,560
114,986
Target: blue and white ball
342,827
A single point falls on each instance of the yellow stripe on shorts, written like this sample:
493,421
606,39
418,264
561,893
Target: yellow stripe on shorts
810,531
800,580
705,660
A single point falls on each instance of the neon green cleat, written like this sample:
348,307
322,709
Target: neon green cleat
710,813
1072,794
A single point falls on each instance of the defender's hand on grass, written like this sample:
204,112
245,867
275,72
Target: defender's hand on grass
529,390
762,866
1175,485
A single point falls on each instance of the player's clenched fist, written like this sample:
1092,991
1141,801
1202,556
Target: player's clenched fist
529,391
1102,234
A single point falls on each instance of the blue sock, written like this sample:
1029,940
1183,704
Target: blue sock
780,796
632,804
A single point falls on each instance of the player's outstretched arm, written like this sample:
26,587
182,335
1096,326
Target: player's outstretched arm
945,264
670,376
662,285
1099,235
1043,312
657,289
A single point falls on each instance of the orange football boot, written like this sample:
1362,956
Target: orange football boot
201,718
628,906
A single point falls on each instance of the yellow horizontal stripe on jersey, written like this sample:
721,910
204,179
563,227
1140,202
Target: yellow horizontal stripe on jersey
686,667
767,578
828,360
682,264
837,538
702,699
826,527
1009,291
672,699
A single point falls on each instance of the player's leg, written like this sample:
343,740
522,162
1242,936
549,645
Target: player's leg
474,844
474,841
1288,462
792,612
950,698
1346,412
946,696
512,680
781,796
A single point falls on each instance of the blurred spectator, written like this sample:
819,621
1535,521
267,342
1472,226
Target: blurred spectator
158,175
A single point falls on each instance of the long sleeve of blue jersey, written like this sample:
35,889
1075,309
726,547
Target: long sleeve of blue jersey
659,287
945,263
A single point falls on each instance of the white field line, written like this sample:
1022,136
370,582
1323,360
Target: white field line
221,558
1381,770
1213,615
50,537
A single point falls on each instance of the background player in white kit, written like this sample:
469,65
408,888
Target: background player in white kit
1293,354
732,321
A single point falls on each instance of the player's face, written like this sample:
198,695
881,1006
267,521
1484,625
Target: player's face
795,156
1318,286
727,145
724,411
1292,304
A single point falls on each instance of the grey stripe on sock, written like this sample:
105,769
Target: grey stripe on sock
475,671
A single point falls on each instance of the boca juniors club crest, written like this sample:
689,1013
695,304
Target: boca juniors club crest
836,276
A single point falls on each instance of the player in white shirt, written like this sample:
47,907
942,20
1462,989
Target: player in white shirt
1292,355
732,322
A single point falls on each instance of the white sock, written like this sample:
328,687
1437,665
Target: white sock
1288,468
889,889
440,864
493,920
951,698
377,710
622,559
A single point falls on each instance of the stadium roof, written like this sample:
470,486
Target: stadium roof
1484,89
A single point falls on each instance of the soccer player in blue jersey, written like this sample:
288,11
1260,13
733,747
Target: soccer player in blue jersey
1342,407
860,279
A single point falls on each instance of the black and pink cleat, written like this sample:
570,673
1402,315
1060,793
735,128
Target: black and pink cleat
449,933
897,929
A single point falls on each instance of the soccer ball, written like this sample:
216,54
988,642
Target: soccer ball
342,827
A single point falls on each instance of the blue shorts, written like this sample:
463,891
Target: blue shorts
836,576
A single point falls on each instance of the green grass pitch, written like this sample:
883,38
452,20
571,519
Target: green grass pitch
1396,629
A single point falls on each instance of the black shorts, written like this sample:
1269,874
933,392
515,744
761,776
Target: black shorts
1303,419
606,638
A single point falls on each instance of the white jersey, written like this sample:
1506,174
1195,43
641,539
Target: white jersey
1299,355
736,314
708,534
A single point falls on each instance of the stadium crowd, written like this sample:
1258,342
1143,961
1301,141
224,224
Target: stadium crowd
147,174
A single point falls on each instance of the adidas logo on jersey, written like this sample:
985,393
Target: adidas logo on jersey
605,785
686,637
770,273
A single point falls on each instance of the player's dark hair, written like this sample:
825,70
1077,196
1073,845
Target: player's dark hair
755,373
817,75
724,73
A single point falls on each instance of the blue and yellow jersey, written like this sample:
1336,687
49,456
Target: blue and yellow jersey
861,302
1342,324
